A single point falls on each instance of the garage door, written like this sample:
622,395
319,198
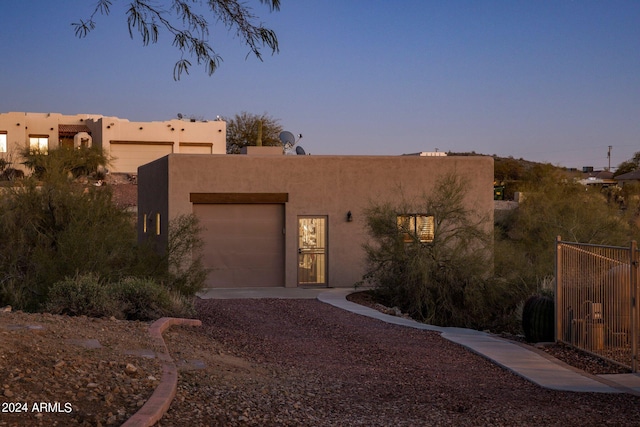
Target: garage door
127,156
196,148
243,244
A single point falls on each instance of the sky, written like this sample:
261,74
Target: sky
548,81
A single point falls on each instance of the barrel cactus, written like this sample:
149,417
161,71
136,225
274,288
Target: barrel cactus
538,319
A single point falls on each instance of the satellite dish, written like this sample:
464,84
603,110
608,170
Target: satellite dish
180,116
287,139
300,151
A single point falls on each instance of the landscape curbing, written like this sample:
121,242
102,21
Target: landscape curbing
527,364
159,402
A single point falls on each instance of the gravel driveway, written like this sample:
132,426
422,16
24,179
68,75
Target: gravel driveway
302,362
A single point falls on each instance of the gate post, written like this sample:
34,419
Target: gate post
558,293
633,283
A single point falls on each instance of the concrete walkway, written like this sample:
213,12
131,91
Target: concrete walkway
533,365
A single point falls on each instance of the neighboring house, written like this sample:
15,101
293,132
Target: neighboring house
603,178
127,144
632,177
277,220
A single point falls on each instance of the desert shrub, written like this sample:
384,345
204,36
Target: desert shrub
525,240
185,272
53,228
145,299
74,162
445,281
83,294
130,298
59,229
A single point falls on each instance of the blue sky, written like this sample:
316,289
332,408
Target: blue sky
553,81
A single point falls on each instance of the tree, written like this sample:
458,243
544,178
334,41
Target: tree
443,279
554,208
244,129
54,227
629,165
188,22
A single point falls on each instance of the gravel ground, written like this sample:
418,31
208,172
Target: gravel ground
302,362
273,363
66,371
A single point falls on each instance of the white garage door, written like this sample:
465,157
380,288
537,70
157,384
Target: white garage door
243,244
126,157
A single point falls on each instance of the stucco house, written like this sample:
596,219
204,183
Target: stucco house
127,144
288,221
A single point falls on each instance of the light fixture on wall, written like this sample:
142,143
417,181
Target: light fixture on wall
349,217
140,127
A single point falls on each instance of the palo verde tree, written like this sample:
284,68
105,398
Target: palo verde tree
246,129
556,206
442,277
188,22
55,229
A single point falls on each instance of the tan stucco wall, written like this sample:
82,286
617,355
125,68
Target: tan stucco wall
316,185
170,131
104,129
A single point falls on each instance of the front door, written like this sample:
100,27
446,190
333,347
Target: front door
312,245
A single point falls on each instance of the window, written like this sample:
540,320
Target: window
39,143
3,142
416,226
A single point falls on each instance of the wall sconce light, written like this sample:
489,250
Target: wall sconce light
140,127
219,130
17,124
172,129
108,127
182,129
349,217
51,129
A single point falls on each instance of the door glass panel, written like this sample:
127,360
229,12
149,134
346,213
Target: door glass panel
312,236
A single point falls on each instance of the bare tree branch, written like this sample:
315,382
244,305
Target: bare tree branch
190,29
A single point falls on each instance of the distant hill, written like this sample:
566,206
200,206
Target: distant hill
510,169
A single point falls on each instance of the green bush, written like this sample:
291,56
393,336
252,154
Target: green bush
186,272
54,229
83,295
443,282
144,299
63,161
130,298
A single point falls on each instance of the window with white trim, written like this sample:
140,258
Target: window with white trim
416,227
3,141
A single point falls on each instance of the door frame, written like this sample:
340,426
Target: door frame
325,250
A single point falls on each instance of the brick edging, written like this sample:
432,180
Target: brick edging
159,402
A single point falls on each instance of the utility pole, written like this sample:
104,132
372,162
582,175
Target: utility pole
609,157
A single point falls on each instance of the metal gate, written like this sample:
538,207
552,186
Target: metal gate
596,293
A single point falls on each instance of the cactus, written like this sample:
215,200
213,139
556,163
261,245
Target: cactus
538,319
259,138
